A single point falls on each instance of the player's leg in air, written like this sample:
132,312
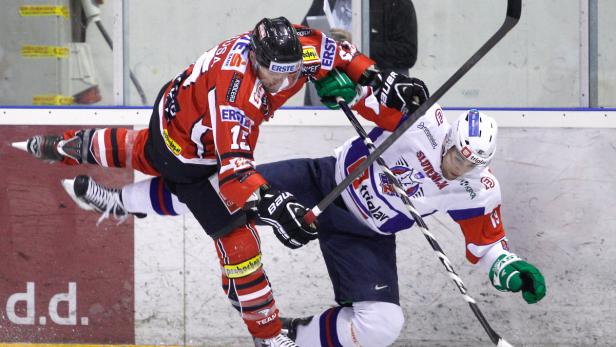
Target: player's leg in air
107,147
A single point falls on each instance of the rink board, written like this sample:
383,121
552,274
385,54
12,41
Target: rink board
157,281
49,249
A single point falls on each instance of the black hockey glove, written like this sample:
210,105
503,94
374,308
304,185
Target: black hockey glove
400,92
282,211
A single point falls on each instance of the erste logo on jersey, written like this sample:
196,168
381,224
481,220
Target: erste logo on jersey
328,53
238,55
234,114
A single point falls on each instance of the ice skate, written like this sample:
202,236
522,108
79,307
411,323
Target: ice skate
92,196
279,340
52,148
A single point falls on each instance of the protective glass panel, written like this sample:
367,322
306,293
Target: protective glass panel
606,73
535,65
173,35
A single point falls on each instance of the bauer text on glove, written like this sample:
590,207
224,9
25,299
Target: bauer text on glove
400,92
282,211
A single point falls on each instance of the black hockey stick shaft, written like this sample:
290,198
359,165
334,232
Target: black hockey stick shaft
494,336
514,8
133,78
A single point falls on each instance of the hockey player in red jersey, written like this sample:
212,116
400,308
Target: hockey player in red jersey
443,167
200,141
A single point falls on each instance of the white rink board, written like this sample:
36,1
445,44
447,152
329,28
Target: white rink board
302,116
558,195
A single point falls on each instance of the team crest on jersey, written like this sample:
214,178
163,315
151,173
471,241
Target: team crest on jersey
409,179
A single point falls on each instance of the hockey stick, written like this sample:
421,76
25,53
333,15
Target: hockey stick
514,8
495,337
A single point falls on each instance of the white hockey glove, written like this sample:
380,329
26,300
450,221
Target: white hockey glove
282,211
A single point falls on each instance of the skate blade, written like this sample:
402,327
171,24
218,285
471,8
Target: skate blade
20,145
68,185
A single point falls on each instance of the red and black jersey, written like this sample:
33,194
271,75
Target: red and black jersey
211,112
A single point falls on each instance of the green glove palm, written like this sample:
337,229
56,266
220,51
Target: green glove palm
511,274
336,84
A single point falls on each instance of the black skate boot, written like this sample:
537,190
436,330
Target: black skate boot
290,325
92,196
53,148
279,340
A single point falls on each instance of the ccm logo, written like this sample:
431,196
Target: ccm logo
27,298
279,200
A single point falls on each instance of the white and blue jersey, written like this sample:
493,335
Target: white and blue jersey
415,159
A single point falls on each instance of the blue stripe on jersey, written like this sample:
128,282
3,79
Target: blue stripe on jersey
327,328
473,123
466,213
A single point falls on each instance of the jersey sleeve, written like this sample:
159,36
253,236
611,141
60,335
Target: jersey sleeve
481,233
371,109
235,138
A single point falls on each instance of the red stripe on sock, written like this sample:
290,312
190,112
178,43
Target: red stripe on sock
121,141
108,148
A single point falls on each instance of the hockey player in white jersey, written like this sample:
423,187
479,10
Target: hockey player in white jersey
442,167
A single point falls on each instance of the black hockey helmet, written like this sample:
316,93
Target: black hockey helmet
275,40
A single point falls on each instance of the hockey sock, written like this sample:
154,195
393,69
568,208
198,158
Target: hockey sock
367,323
152,197
245,283
108,147
330,328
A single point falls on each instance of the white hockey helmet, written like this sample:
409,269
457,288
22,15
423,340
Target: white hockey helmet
474,135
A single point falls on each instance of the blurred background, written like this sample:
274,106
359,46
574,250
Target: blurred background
561,54
551,84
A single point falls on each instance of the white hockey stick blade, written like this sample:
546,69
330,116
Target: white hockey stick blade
503,343
68,186
20,145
